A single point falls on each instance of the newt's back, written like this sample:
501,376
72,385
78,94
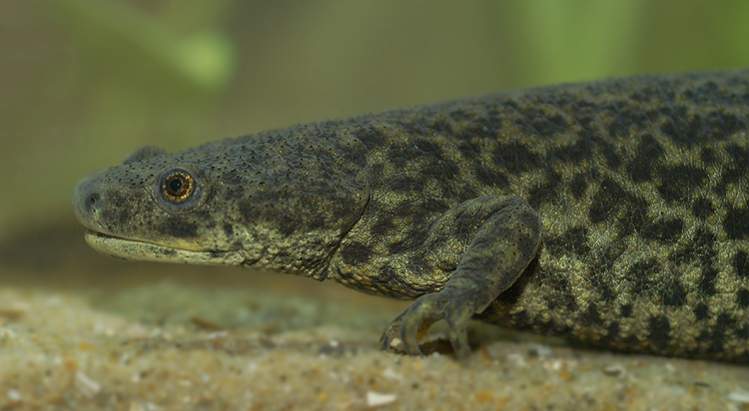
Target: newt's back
643,189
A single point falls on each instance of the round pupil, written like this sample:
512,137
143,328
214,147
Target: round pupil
175,185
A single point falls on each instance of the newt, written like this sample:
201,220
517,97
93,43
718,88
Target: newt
614,213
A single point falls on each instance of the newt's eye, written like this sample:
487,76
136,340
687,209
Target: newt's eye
177,186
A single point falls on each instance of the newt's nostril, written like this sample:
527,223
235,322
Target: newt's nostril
91,201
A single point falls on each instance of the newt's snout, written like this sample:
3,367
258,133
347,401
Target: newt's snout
87,201
102,210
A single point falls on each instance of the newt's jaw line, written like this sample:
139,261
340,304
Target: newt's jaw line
145,251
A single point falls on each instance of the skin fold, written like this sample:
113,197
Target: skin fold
613,213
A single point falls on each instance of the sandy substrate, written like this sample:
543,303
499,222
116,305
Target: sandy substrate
98,334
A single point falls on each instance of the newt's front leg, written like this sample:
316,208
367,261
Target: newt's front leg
504,234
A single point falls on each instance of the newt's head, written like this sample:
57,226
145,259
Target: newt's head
253,201
154,207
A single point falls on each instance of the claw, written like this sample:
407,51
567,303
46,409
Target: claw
459,342
415,316
457,321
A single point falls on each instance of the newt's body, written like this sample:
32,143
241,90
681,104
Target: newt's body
615,213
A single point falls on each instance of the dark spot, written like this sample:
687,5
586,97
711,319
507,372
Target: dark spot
606,201
659,91
625,310
561,295
634,216
235,192
168,252
403,183
428,148
516,157
703,93
248,211
487,126
545,192
707,280
572,241
736,223
402,154
512,294
701,311
228,230
442,126
677,183
287,225
459,115
578,151
382,227
521,319
377,169
215,253
467,192
678,126
578,186
667,230
674,294
389,283
743,333
699,249
490,177
600,280
544,123
413,239
659,331
648,152
742,298
442,171
641,275
179,228
415,125
610,154
730,175
469,149
741,264
432,206
720,125
591,316
356,253
625,118
717,339
738,154
702,208
124,216
689,129
708,156
612,331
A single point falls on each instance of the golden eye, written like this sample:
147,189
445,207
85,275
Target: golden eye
177,186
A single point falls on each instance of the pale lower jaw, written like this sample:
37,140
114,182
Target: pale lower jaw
144,251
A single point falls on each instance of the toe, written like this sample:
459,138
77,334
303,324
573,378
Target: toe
457,323
459,342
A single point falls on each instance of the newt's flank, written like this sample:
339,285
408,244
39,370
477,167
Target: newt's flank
615,213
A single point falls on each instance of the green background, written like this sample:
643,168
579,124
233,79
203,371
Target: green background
85,82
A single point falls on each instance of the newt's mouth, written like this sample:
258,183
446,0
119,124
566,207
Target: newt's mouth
131,249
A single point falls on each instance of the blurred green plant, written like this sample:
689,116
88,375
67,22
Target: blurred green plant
591,45
205,60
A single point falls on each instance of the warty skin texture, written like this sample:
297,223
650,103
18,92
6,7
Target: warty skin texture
613,213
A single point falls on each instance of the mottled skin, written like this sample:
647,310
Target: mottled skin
614,213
